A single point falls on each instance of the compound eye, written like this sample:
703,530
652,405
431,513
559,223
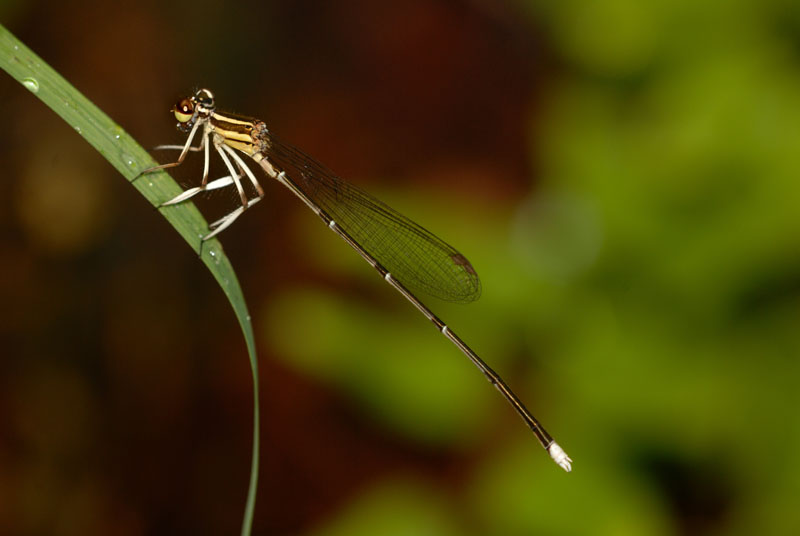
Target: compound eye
183,110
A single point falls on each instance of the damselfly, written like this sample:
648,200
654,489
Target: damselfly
407,256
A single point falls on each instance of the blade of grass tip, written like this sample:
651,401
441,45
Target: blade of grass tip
129,158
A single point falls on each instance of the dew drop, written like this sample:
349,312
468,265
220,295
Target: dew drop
31,83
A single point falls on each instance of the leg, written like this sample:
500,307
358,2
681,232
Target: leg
191,192
178,148
245,169
180,158
204,185
203,145
223,223
235,175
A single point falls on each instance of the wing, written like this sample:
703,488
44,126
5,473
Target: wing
413,255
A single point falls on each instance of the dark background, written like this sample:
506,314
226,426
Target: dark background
623,176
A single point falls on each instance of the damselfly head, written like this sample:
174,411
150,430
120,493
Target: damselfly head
188,109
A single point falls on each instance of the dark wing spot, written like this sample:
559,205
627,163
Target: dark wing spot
460,260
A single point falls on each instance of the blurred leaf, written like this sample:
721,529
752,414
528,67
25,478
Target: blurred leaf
395,508
418,384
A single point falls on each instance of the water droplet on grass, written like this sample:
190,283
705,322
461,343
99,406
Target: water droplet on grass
31,83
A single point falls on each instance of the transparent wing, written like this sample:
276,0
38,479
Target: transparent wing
413,255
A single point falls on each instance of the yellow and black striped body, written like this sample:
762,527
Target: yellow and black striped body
241,133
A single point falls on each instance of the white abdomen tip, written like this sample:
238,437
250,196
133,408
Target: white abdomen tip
560,457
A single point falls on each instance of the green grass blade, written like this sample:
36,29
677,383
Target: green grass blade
129,158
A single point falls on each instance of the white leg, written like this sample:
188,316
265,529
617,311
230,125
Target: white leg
206,143
222,182
246,170
191,192
223,223
181,147
177,147
178,162
234,175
